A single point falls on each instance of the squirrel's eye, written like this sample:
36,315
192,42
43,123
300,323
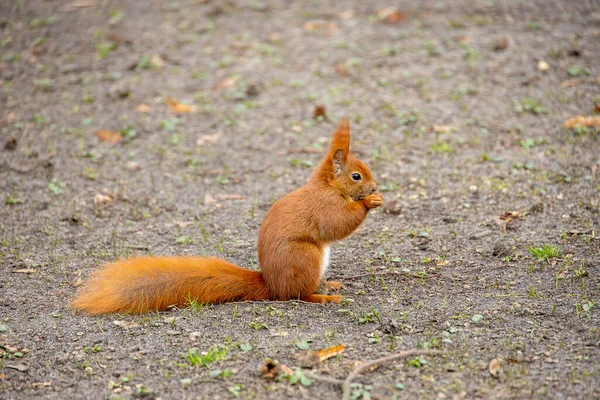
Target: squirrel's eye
356,176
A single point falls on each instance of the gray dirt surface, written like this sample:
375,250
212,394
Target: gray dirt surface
458,109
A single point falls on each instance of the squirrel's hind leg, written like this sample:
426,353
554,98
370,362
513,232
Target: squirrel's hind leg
332,285
322,298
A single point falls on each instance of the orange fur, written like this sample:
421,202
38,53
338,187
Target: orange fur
155,283
291,247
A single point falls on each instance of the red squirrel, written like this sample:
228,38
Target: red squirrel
293,249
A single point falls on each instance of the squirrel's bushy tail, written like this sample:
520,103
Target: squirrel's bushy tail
155,283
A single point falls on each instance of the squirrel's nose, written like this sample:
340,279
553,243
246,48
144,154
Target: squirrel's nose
374,190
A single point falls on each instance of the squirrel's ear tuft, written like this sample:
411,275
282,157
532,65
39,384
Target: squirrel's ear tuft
340,145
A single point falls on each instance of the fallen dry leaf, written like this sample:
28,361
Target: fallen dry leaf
358,363
320,111
208,139
597,108
24,271
143,108
181,224
341,70
581,121
500,44
11,349
10,143
506,218
511,215
109,136
10,117
346,15
180,108
271,369
571,82
132,166
42,384
101,199
208,199
225,83
78,281
441,128
241,46
252,90
314,26
391,15
157,60
274,37
494,367
324,354
2,376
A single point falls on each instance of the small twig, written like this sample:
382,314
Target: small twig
404,354
408,274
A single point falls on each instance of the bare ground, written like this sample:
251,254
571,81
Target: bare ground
459,111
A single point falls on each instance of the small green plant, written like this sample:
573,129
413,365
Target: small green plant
533,293
274,312
532,25
584,307
529,143
298,377
302,345
222,180
529,105
195,305
257,325
236,389
360,391
11,200
417,362
226,373
245,347
389,187
56,187
145,63
183,240
544,253
44,84
577,70
104,48
442,147
580,272
93,349
369,318
294,162
128,132
205,358
171,124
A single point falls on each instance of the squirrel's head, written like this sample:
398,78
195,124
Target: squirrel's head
341,170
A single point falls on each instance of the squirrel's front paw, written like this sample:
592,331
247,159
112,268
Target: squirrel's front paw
373,200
